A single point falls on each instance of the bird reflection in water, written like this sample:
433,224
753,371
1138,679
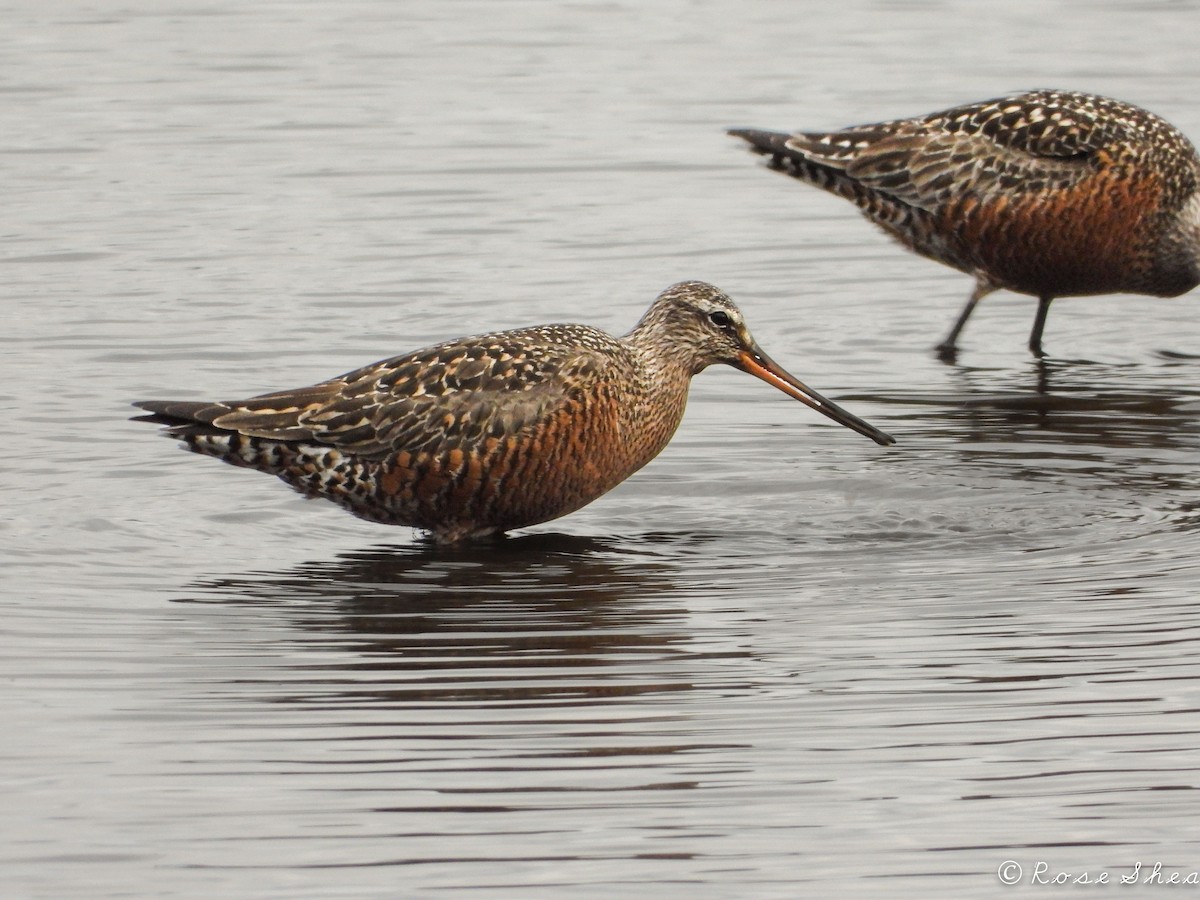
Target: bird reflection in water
545,617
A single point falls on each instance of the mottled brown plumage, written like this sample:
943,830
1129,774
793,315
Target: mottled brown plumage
486,434
1048,193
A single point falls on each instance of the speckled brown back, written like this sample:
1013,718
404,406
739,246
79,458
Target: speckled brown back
1047,192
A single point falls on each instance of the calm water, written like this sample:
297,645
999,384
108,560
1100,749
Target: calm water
781,661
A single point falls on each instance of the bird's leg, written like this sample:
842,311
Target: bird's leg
1039,322
947,348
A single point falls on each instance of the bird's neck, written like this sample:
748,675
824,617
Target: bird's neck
656,401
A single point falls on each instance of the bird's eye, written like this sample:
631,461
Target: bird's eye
720,319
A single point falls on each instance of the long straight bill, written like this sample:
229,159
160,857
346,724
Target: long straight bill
762,366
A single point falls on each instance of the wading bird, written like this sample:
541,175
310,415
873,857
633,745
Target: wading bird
481,435
1049,193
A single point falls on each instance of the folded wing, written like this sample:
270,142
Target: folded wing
454,395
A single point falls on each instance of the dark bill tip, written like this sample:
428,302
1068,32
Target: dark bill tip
762,366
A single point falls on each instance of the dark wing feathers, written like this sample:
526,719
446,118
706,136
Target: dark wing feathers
176,412
1026,142
760,141
454,395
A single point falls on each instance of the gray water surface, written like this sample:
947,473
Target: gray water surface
779,661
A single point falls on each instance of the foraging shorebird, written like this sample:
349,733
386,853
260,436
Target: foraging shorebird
485,434
1049,193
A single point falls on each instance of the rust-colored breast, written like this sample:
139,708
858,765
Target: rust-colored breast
541,471
1098,235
